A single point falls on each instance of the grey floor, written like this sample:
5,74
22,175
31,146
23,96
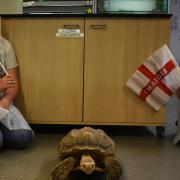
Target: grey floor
142,155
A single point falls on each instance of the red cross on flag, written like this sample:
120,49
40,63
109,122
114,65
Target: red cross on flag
157,78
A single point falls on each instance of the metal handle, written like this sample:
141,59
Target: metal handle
98,26
71,26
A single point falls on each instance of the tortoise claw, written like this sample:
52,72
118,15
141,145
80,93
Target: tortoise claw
62,170
113,168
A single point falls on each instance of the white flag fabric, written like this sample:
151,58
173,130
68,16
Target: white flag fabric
13,119
157,78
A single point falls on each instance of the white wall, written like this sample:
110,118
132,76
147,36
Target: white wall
11,7
174,8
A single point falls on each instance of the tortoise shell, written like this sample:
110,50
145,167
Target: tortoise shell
86,139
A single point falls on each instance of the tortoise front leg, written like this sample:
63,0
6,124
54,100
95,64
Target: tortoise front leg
113,168
62,170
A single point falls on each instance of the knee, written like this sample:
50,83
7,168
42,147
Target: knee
18,139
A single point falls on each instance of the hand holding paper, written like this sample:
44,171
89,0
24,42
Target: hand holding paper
7,82
3,68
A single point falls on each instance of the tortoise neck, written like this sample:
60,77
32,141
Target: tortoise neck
86,155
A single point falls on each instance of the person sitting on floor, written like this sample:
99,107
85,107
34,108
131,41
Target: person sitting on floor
14,130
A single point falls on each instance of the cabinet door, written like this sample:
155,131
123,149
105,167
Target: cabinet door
114,48
50,68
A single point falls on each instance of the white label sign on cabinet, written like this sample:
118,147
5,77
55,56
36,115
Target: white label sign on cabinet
69,33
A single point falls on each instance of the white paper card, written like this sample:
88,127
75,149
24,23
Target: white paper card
69,33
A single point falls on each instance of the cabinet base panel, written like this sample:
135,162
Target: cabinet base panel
96,123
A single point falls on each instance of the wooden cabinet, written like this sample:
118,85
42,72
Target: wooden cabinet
114,49
83,80
50,68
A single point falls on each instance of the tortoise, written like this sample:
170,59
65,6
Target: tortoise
88,150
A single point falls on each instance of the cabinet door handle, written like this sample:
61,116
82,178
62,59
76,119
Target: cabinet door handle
98,26
71,26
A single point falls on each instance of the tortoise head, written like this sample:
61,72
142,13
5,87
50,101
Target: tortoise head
87,164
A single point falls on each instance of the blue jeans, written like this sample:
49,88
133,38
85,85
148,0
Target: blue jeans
15,139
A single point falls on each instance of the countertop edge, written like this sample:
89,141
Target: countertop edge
89,15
